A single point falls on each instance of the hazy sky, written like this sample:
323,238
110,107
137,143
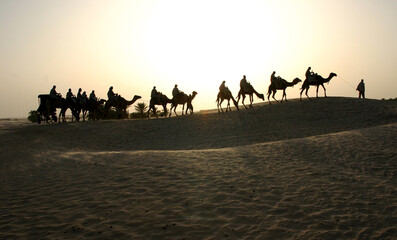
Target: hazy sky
135,45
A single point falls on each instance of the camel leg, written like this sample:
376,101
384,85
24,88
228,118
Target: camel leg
307,89
300,97
148,112
242,101
325,92
284,96
165,109
183,108
220,105
175,110
172,106
251,100
268,97
317,91
274,93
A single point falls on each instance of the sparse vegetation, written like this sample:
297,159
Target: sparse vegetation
141,108
33,116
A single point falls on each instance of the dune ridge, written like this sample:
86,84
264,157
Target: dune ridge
321,169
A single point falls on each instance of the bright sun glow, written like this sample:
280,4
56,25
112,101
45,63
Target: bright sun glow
197,45
196,41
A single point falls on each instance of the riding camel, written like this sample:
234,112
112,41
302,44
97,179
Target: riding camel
121,105
225,94
182,98
248,90
281,84
316,80
162,100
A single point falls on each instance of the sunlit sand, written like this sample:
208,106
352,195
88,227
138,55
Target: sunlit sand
319,169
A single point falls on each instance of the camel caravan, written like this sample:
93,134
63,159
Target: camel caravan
95,108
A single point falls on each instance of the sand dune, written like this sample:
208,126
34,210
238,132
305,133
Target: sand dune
321,169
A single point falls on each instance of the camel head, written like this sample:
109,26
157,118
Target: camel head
136,97
331,75
296,81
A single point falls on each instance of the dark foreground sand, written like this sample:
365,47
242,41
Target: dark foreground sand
320,169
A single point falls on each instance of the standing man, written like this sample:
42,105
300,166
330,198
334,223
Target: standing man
361,89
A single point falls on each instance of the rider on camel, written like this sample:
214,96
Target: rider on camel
244,84
222,87
84,97
54,96
92,96
175,91
112,97
70,96
80,97
155,94
310,75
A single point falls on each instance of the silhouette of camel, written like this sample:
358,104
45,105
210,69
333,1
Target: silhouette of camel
121,105
65,105
226,94
281,84
93,108
249,91
181,98
161,100
316,80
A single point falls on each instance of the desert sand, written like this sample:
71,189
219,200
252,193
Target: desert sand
319,169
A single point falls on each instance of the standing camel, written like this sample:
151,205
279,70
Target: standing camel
249,90
316,80
181,98
281,84
93,108
64,105
162,100
225,94
121,105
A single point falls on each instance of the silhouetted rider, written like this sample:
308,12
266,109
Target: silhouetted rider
155,94
112,97
175,91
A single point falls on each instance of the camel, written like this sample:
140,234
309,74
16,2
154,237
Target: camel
281,84
249,90
121,105
93,108
225,94
316,80
161,100
64,105
182,98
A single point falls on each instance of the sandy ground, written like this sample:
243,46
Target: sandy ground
320,169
